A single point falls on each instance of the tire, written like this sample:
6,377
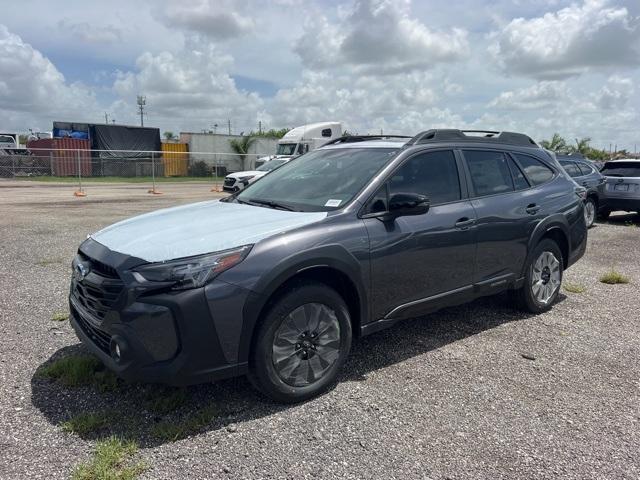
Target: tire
590,209
604,214
301,343
528,297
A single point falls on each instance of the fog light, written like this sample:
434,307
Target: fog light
118,348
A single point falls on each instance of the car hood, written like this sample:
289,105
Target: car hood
197,229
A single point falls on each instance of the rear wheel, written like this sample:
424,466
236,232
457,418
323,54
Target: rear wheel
301,344
590,208
543,278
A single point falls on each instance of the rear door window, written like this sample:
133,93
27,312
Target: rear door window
519,180
585,169
535,170
490,173
572,169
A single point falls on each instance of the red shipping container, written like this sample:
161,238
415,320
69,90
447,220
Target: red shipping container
64,153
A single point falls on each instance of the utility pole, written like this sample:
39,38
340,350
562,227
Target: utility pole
142,101
106,117
215,128
229,125
260,127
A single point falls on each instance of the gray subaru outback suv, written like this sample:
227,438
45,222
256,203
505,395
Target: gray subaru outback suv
276,281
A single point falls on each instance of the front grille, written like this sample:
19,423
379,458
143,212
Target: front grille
229,182
99,290
100,338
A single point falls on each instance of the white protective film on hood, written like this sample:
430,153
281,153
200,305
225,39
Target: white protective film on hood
197,229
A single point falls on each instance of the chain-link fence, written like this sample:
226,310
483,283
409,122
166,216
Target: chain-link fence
82,167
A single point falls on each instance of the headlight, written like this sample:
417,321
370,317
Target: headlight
192,272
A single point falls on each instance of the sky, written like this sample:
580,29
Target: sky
395,66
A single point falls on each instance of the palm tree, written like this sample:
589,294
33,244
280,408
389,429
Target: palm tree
169,136
582,146
556,144
241,146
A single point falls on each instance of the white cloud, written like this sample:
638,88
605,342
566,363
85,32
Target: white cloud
192,89
33,91
538,96
91,33
571,41
217,19
615,94
379,36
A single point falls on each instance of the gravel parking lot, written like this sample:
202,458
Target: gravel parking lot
478,391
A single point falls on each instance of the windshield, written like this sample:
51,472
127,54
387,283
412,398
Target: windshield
621,169
286,149
270,165
321,180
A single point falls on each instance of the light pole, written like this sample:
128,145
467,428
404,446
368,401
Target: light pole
142,101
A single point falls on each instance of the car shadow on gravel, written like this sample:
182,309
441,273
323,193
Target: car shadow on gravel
622,219
153,415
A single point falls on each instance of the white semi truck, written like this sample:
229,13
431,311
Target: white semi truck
294,143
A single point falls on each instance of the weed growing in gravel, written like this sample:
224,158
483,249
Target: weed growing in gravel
574,287
613,277
166,400
111,461
170,431
60,317
79,371
86,423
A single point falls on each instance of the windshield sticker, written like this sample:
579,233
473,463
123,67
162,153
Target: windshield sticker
333,203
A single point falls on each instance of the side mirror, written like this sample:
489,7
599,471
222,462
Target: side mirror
403,204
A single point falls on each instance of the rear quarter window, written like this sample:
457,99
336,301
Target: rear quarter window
535,170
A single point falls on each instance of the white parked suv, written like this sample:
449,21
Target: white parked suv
622,189
235,182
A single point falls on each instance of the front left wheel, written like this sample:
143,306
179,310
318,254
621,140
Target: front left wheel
301,343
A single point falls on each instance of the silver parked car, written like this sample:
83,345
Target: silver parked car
622,187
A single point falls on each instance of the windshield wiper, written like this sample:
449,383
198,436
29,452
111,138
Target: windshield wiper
271,204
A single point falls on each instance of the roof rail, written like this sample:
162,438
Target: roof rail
479,136
361,138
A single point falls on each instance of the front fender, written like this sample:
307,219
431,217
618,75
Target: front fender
335,257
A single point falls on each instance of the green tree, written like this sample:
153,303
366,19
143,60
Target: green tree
271,133
170,136
582,146
556,144
241,146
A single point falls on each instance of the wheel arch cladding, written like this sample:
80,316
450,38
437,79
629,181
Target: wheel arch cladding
555,228
332,272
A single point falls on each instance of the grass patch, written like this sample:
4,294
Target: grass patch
120,179
80,371
60,317
613,277
86,423
111,461
574,287
166,400
48,261
170,431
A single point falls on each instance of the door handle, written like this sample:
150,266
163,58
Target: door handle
464,223
532,209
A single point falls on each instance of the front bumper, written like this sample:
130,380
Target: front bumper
175,338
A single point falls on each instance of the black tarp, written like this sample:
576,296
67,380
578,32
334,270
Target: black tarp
139,141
